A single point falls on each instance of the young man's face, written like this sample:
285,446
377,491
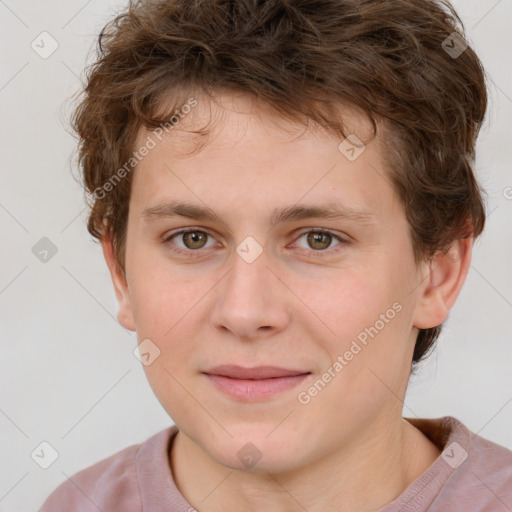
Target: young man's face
339,312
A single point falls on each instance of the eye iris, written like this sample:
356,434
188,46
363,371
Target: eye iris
316,237
196,237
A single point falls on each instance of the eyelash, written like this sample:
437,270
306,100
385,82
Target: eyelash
312,252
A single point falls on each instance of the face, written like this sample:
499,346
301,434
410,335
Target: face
266,280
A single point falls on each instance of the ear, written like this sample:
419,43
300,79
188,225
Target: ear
124,313
446,275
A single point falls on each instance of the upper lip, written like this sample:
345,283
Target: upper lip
257,372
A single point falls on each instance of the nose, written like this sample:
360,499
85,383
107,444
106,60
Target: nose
251,300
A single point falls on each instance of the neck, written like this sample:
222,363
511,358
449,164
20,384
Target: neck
364,475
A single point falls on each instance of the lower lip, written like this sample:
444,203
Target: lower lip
252,390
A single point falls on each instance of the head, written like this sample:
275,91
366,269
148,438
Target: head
256,112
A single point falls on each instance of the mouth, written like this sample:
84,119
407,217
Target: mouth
254,384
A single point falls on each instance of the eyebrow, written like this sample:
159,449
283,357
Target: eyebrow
334,210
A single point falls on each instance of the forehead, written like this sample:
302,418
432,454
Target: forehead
253,156
225,117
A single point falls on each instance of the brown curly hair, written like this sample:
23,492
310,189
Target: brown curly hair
389,58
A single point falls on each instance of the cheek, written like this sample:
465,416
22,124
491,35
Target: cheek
170,307
365,360
159,297
347,303
363,322
164,310
167,311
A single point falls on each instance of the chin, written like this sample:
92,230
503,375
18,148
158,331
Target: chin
251,449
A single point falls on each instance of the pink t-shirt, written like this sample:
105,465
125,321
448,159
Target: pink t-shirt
472,474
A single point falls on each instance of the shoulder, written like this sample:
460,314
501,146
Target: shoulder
490,462
477,452
481,471
471,473
458,442
111,484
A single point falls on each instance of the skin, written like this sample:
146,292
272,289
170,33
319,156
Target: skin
348,449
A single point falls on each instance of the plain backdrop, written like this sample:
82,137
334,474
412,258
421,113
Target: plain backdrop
68,374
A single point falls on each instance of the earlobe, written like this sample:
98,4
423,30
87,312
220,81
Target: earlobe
446,275
124,313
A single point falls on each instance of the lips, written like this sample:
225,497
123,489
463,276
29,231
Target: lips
255,373
255,384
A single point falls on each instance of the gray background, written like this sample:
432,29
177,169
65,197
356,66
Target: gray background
68,374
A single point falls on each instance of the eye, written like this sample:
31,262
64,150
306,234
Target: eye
192,240
319,240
